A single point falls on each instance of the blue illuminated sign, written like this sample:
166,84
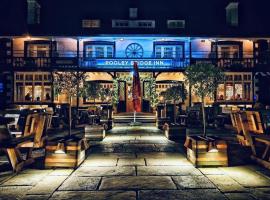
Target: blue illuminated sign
129,62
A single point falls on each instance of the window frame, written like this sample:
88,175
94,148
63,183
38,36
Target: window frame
98,43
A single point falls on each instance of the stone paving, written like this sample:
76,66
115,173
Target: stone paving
138,164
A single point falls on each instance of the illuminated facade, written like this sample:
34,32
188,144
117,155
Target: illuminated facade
28,61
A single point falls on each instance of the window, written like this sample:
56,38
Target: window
1,87
33,12
38,50
237,87
133,23
228,51
32,87
173,24
99,49
232,14
87,23
169,50
133,12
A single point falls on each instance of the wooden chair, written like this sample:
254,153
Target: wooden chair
255,122
11,146
34,136
259,142
236,123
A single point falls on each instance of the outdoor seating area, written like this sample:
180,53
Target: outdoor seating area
252,130
39,137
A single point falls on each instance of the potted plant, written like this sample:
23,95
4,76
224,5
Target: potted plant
203,150
175,131
67,151
72,84
106,96
93,90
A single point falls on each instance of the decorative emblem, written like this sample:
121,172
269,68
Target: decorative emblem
134,50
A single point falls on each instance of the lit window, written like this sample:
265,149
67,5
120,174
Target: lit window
87,23
33,87
235,88
229,91
168,51
99,51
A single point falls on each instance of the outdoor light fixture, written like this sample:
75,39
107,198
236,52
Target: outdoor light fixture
212,147
60,149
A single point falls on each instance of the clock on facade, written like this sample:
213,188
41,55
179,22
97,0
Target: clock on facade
134,50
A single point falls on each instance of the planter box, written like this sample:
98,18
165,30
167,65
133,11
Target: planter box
72,157
95,132
199,155
175,132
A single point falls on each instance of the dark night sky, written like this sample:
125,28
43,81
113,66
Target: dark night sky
203,17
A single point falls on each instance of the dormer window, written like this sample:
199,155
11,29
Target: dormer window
133,13
33,12
232,14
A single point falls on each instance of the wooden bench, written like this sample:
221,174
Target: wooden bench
261,150
259,143
34,135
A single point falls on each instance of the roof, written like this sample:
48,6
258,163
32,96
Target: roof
202,18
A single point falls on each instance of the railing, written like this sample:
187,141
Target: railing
228,63
67,59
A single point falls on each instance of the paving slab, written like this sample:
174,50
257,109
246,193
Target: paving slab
61,172
130,161
36,197
193,182
47,185
168,161
105,171
94,195
4,176
137,183
239,196
168,171
190,194
172,155
225,183
13,192
261,193
211,171
37,171
247,177
100,161
24,179
80,183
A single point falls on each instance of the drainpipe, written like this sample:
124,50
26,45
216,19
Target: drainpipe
78,54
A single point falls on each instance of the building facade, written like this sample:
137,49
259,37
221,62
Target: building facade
29,57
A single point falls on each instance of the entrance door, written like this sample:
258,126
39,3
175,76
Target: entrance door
121,107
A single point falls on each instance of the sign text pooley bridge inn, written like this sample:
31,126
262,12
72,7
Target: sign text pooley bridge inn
128,63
